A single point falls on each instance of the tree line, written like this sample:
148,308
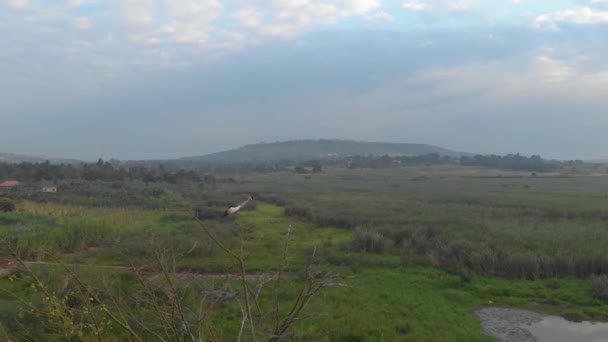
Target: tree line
114,170
518,162
99,171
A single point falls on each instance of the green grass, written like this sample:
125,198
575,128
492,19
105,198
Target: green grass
388,297
422,304
266,242
400,304
545,216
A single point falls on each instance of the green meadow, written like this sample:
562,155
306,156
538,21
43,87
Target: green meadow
412,252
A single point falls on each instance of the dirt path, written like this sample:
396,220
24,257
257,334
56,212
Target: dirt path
508,325
184,275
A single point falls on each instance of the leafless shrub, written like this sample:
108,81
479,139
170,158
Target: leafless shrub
371,241
599,285
156,304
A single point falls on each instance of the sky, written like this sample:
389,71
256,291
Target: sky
156,79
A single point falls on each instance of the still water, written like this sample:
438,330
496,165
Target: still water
557,329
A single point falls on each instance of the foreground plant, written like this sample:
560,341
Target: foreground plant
152,302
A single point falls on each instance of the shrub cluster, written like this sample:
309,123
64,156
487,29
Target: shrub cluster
461,255
370,241
6,204
599,286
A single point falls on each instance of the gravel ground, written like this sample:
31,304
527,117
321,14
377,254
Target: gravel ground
508,324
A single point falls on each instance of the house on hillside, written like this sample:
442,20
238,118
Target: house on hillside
5,187
9,184
46,186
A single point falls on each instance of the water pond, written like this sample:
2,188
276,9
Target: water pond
557,329
515,325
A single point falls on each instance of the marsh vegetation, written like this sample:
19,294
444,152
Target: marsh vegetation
411,253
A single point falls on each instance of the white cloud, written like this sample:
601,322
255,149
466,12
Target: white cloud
540,75
380,17
192,8
438,5
249,17
83,24
166,29
361,7
17,4
304,13
108,39
198,26
293,16
193,21
552,70
74,3
185,22
138,12
461,5
143,39
416,6
583,15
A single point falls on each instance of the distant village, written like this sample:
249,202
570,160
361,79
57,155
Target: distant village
9,186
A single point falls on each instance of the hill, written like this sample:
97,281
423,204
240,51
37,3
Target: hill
18,158
302,150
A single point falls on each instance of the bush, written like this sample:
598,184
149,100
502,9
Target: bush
564,267
6,204
599,285
519,267
552,284
397,235
484,262
300,212
459,251
368,241
426,240
465,275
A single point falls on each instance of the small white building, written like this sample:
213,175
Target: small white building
47,187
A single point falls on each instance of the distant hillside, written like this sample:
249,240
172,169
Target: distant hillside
17,158
301,150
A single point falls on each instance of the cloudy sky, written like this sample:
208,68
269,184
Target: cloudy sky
139,79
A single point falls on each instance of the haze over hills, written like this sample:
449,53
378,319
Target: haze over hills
302,150
294,150
18,158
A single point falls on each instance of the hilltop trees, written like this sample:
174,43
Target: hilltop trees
386,161
173,173
513,162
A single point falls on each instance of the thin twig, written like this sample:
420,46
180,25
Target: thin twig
160,312
93,295
242,328
277,288
241,263
175,293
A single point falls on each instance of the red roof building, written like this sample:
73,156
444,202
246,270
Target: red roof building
9,184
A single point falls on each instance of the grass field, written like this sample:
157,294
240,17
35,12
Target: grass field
519,217
403,292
